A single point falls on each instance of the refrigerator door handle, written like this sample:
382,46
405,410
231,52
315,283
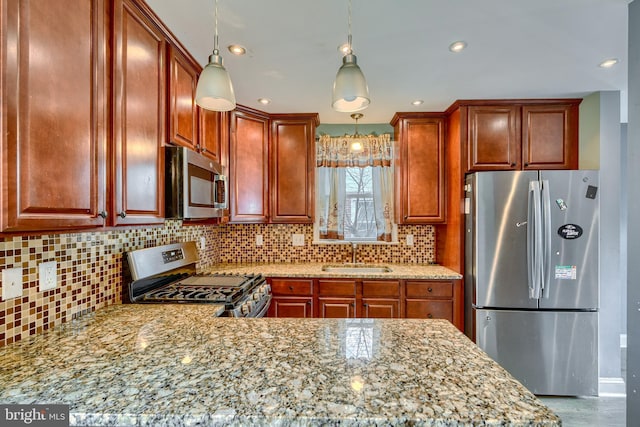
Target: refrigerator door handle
534,240
546,230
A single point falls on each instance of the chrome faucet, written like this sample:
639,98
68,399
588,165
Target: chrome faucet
354,251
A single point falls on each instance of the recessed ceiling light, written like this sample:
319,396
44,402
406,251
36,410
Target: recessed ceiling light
417,102
608,63
264,101
236,49
457,46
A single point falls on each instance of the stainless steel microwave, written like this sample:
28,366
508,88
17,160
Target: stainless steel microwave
195,187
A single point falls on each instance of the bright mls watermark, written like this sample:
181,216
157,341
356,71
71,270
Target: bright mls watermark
34,415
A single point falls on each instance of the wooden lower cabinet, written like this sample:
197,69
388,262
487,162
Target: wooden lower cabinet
336,298
431,299
381,299
291,298
368,298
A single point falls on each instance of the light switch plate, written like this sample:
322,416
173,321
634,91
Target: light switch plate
259,240
409,239
11,283
48,275
297,239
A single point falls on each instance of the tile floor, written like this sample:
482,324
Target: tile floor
602,411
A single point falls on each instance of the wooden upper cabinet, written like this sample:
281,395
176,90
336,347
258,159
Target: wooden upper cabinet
550,136
292,168
420,170
249,166
54,114
183,114
139,116
494,137
521,134
213,130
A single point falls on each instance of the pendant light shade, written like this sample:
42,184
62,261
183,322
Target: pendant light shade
350,90
215,90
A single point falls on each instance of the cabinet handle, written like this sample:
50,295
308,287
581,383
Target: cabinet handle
365,305
204,150
197,146
291,288
122,214
430,290
103,214
526,164
513,165
430,316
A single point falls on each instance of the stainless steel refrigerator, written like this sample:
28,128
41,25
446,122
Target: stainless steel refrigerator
532,276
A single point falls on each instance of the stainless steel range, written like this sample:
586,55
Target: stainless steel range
167,274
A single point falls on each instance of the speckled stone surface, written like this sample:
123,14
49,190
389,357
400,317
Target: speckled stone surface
178,365
398,271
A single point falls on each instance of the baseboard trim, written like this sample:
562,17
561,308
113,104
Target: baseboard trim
611,387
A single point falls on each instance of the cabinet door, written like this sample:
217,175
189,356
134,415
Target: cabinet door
183,114
494,140
420,186
249,166
291,307
337,307
550,136
381,308
54,114
211,131
139,112
292,168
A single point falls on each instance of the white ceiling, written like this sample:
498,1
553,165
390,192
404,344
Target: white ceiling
516,49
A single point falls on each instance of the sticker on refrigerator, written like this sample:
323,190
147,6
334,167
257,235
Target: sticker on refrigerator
566,272
570,231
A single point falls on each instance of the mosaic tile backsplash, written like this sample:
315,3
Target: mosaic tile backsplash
89,270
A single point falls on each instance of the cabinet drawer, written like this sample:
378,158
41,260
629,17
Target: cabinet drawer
291,287
337,287
380,288
429,309
429,289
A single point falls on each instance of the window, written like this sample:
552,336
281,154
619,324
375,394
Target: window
354,191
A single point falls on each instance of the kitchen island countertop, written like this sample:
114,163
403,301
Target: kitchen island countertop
180,365
310,269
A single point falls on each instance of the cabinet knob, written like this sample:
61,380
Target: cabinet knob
197,146
430,316
291,288
526,164
204,150
122,214
430,289
513,165
103,214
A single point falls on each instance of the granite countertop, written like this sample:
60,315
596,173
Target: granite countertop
398,271
175,365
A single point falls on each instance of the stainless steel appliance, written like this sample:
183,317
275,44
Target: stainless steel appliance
532,276
167,274
195,187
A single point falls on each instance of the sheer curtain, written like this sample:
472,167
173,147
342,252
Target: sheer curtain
333,156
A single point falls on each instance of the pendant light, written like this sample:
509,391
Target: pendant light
356,145
350,91
215,91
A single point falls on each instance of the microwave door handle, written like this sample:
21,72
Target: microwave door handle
222,179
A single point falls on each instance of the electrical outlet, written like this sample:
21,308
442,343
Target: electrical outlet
203,243
297,239
11,283
48,274
259,240
409,239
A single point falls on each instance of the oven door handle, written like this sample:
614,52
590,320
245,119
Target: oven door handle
262,310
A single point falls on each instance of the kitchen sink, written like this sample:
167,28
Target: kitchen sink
356,268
